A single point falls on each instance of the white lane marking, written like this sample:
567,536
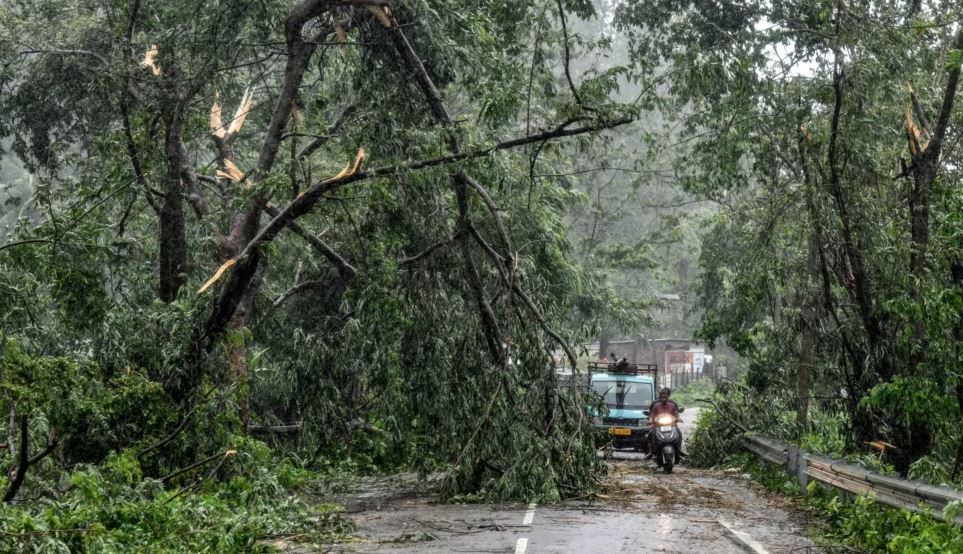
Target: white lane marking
521,545
743,538
529,515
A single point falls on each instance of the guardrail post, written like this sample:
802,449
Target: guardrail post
799,457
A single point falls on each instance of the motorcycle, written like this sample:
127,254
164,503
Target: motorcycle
668,441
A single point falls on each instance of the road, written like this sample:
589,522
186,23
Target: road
638,510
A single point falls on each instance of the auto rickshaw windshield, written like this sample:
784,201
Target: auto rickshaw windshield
622,394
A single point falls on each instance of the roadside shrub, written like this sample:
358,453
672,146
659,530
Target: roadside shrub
735,408
688,395
866,524
828,436
862,523
713,439
112,509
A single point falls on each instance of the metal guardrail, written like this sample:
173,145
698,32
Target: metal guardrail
905,494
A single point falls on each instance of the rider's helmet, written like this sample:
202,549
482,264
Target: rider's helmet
665,392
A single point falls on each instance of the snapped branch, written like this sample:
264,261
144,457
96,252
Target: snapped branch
307,200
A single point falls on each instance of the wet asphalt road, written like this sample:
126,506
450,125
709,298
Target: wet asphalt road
639,510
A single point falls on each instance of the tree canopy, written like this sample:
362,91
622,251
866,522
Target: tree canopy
314,216
829,130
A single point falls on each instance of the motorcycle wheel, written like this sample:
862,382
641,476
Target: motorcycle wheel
668,457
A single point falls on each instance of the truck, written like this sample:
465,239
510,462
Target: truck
627,391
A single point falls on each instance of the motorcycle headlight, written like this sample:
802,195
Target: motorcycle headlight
665,419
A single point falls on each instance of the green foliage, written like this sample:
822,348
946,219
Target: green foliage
909,400
860,522
114,510
796,114
386,369
689,395
92,416
712,441
826,435
867,525
769,476
735,408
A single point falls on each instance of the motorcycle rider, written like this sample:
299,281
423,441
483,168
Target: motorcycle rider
659,407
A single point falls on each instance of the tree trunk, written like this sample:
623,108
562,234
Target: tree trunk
804,377
20,469
956,272
958,461
604,338
173,241
237,352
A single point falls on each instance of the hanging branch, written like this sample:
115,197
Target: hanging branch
431,248
331,132
568,71
242,266
307,199
529,303
496,217
440,114
297,289
346,270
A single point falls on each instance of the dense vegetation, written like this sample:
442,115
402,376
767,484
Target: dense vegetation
829,134
860,523
364,266
240,241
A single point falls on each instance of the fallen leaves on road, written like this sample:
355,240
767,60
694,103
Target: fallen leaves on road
623,488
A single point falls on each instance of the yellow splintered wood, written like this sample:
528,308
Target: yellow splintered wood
244,108
913,133
348,170
382,14
240,115
357,160
880,445
217,127
150,60
230,172
217,275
